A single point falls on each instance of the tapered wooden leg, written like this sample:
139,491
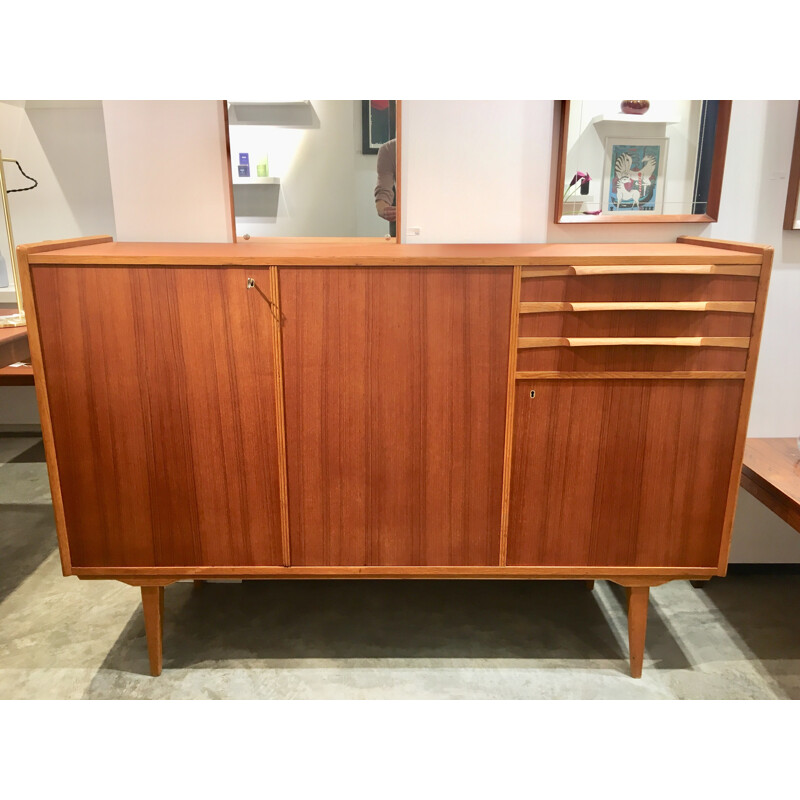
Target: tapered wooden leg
638,597
589,585
153,606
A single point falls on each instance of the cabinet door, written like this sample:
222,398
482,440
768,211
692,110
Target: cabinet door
621,472
162,396
395,413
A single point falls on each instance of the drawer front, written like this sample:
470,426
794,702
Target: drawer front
646,319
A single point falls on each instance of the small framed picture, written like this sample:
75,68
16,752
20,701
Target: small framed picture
378,124
633,176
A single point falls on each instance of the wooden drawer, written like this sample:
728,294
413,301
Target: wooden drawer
539,285
636,318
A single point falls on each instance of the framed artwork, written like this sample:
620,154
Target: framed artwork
378,124
633,176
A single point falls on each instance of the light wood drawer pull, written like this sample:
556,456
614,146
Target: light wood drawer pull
742,342
646,269
659,376
702,305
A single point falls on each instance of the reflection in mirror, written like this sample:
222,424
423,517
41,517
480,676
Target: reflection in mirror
311,168
641,161
791,220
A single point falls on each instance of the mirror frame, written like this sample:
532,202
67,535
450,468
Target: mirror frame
793,192
398,172
714,189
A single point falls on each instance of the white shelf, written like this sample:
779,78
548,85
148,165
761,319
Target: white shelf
634,119
254,181
288,113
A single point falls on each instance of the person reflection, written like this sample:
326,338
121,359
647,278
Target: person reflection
386,190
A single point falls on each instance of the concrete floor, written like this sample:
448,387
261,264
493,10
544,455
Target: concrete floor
65,638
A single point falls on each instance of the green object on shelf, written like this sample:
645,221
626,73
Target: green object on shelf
262,168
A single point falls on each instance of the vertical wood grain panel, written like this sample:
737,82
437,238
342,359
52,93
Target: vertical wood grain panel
280,413
395,406
511,394
622,473
161,389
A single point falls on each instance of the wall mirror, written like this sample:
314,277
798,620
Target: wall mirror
641,160
310,168
791,220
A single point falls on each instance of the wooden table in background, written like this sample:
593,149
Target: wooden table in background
14,345
771,473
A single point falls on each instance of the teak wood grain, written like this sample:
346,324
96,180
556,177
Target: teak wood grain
161,387
385,253
739,343
395,413
624,473
771,473
702,305
511,395
634,288
13,345
42,396
153,610
352,419
767,254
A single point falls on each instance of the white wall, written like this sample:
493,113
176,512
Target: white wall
169,171
481,171
473,171
63,146
327,184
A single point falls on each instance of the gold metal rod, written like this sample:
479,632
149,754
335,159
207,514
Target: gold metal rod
18,319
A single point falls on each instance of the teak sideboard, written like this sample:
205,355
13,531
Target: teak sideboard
334,409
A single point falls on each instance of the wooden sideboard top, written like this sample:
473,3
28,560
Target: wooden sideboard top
372,252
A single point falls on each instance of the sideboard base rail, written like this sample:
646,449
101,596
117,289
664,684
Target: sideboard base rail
171,574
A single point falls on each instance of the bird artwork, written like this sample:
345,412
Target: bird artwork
633,182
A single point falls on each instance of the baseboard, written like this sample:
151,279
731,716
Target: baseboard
22,429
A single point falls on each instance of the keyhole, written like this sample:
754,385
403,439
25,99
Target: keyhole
251,283
533,393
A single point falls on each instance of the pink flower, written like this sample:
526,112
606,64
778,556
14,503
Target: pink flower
583,177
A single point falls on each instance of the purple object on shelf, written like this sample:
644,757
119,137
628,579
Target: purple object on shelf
634,106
